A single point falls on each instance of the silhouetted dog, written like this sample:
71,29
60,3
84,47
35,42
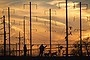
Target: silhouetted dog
54,54
46,54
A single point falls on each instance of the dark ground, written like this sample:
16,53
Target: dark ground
42,58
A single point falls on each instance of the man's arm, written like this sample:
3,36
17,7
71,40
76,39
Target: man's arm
45,46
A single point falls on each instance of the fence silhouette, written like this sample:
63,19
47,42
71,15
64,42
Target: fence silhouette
14,50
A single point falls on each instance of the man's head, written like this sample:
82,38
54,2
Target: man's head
41,44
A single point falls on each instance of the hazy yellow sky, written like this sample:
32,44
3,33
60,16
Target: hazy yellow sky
40,25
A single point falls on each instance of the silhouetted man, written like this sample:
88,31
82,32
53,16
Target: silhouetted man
25,49
41,50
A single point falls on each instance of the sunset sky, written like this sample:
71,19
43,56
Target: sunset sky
40,24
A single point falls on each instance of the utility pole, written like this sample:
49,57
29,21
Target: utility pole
66,30
66,26
24,30
80,31
9,27
4,27
19,43
8,24
81,24
4,36
19,37
50,31
30,31
30,26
